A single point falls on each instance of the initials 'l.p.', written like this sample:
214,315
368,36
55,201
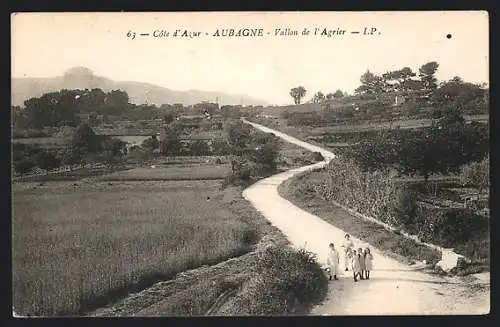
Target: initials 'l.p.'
369,31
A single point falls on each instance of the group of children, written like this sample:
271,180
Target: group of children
360,261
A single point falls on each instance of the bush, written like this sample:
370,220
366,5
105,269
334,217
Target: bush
24,166
404,208
47,160
476,174
288,282
199,148
457,226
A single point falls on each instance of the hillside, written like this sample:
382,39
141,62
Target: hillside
139,92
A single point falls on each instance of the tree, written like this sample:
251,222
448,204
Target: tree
297,93
72,156
427,76
170,143
477,174
116,102
24,165
400,80
116,146
51,109
109,158
19,118
151,143
47,160
457,95
221,147
443,148
85,139
168,118
200,148
237,134
420,153
371,84
117,98
94,99
330,96
319,97
93,121
139,154
338,94
266,155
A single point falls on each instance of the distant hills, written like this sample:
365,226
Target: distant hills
139,92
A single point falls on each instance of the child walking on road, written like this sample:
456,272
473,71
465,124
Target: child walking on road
333,262
356,269
362,266
368,262
348,246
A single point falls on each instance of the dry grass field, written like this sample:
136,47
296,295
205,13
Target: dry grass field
76,246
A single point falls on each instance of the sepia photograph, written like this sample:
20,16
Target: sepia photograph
175,164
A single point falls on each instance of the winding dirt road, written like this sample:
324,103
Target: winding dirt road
393,289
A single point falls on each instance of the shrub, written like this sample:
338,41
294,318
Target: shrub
151,143
47,160
199,148
288,282
457,226
23,166
476,174
404,208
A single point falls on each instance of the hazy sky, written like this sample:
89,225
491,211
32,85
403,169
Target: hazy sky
47,44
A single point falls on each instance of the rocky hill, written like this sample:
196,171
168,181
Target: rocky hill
139,92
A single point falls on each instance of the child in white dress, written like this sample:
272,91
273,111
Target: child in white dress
348,246
333,262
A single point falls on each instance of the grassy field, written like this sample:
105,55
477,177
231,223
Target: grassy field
77,247
83,242
196,171
46,142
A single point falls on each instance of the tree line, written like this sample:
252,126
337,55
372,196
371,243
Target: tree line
85,147
420,90
66,107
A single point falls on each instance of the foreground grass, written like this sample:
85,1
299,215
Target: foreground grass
395,245
77,247
285,282
272,280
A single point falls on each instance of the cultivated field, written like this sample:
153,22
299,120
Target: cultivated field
78,245
194,171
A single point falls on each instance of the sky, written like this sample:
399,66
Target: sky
267,67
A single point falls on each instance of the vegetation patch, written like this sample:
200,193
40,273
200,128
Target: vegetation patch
300,190
171,172
75,248
286,282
